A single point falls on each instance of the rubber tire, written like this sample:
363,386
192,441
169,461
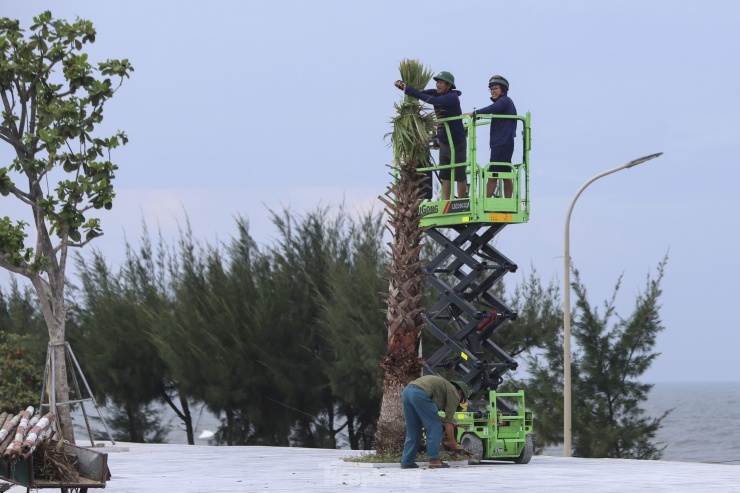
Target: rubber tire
473,445
527,451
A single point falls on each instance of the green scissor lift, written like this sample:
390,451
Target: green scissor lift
478,208
467,314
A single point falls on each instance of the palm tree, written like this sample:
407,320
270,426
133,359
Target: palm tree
412,126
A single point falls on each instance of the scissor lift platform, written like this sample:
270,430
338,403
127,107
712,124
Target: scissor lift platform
467,313
478,207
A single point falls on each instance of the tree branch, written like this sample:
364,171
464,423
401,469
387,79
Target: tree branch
9,109
4,137
44,245
18,145
22,270
77,245
165,396
22,196
32,120
21,96
62,248
86,208
24,111
27,199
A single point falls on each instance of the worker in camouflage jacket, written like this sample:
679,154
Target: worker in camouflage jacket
422,400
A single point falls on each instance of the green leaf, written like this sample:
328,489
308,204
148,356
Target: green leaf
70,91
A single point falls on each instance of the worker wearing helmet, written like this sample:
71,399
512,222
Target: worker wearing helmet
446,101
503,130
422,399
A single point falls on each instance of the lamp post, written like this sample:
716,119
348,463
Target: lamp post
567,421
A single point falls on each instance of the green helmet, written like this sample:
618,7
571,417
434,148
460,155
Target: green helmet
499,80
445,77
462,386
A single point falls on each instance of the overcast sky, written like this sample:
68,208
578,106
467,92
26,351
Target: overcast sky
237,107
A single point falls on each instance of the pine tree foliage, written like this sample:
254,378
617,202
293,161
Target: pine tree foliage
539,315
282,342
611,422
351,318
613,353
135,423
253,333
110,333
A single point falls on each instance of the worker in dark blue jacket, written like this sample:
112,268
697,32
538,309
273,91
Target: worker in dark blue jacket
446,101
503,130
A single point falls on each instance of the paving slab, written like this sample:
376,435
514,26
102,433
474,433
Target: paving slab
208,469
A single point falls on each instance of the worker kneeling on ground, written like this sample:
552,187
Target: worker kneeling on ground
422,400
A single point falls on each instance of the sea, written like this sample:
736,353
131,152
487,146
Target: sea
703,426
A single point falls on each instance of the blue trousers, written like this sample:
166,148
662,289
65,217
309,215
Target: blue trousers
419,409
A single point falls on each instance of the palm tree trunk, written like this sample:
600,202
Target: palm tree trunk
403,317
402,363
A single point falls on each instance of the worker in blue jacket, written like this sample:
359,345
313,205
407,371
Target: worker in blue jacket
503,130
446,101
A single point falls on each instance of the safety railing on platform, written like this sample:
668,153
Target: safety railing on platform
478,206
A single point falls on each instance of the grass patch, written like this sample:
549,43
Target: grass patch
372,457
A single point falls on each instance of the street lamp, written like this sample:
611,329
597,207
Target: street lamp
567,442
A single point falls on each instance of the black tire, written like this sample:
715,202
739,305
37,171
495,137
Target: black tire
527,451
473,445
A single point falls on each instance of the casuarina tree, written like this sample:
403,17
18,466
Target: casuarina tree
409,138
52,103
612,356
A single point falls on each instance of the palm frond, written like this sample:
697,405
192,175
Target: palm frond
415,74
413,123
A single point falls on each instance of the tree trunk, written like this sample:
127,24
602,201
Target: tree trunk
351,434
229,432
188,420
391,432
402,363
183,414
403,316
62,411
51,300
332,431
